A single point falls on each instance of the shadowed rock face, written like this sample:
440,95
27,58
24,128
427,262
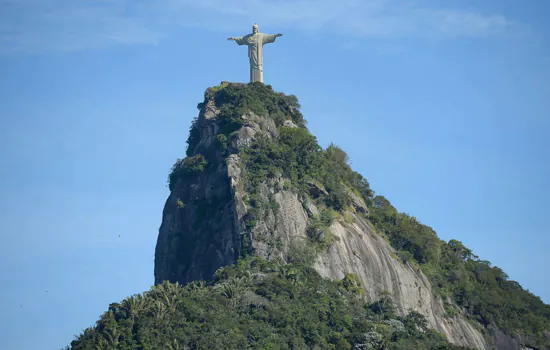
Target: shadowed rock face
188,247
198,232
208,231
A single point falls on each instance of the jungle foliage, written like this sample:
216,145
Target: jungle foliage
256,304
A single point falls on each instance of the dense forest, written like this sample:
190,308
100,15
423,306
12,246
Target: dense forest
259,305
273,305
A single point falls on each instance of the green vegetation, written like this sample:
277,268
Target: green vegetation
296,155
258,305
235,100
185,167
221,142
318,229
194,137
482,291
351,284
348,218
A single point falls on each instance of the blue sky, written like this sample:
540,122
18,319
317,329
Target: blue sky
443,106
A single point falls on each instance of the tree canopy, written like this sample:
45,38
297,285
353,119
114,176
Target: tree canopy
256,304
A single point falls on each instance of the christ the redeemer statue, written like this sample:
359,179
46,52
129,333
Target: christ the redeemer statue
255,43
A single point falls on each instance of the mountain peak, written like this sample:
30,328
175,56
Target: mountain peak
257,196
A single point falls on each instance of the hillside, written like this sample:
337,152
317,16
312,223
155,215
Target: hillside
257,191
258,305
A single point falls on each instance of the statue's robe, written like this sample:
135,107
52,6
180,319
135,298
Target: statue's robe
255,43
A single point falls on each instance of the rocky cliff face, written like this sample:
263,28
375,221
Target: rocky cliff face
206,224
199,232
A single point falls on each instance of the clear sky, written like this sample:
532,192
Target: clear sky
444,106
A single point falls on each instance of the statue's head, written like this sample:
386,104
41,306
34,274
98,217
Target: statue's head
255,28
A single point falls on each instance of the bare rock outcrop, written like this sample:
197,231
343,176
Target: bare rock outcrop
363,252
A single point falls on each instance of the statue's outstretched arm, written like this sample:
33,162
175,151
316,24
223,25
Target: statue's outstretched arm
239,40
270,38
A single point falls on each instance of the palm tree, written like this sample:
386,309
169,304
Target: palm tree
158,309
234,288
198,286
133,306
170,294
113,335
102,344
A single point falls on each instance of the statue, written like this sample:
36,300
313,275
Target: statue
255,43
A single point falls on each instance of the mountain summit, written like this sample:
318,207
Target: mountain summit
269,241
